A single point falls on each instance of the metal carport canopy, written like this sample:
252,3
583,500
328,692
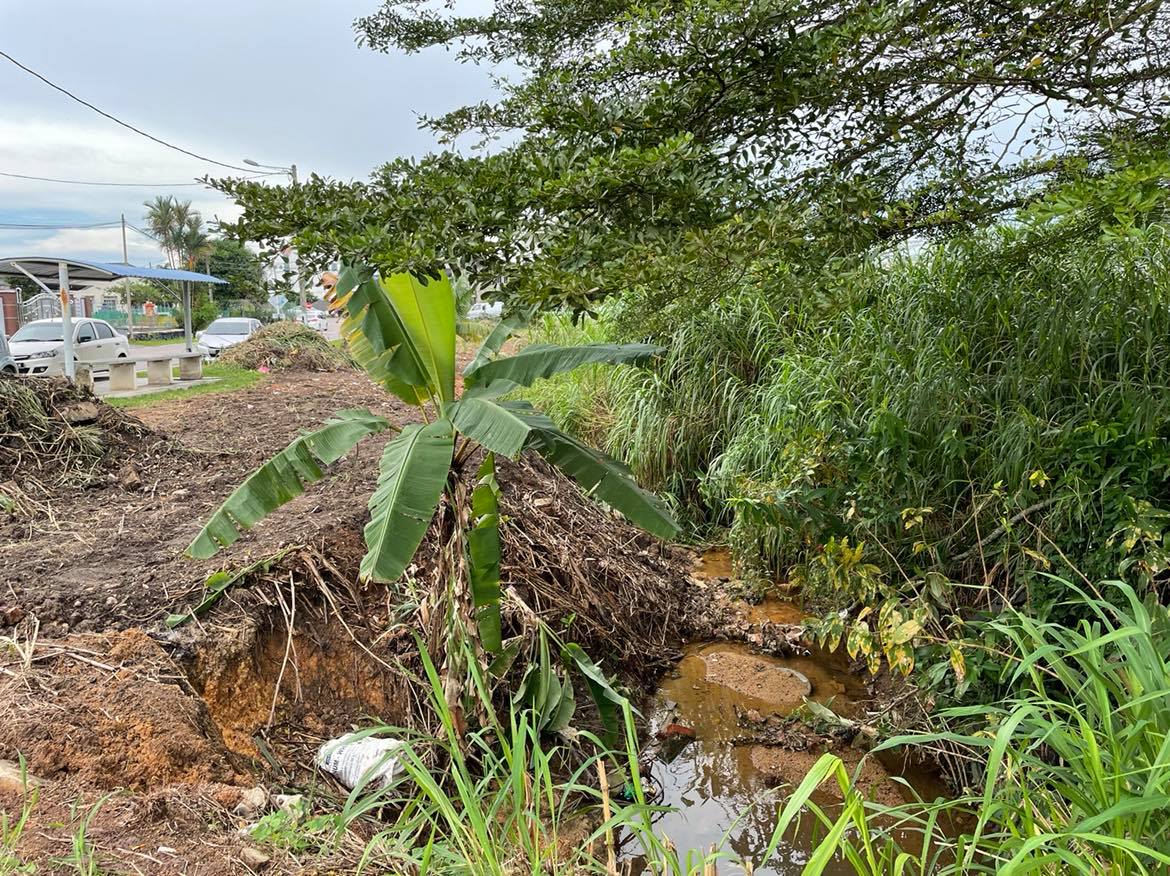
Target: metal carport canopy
44,269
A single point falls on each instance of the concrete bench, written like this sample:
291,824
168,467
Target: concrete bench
158,370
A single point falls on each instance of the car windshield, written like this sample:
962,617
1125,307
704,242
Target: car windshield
39,331
228,327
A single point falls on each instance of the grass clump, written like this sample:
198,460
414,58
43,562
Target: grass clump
1070,771
287,345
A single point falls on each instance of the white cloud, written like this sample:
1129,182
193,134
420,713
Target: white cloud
267,79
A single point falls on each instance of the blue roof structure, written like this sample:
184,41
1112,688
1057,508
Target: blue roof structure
83,271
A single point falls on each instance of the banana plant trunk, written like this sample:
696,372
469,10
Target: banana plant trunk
453,629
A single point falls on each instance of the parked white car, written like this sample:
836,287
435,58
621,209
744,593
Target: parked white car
7,363
38,347
486,310
225,332
313,318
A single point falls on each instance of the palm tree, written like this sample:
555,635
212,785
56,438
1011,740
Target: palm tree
179,230
402,332
161,219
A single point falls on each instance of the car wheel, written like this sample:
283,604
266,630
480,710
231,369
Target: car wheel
8,369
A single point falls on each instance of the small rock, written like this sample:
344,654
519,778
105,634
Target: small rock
254,858
252,802
83,412
11,615
754,716
10,778
291,803
130,478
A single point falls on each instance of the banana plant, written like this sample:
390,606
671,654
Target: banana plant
401,330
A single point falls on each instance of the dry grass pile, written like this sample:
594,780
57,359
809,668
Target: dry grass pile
55,434
288,346
599,581
617,591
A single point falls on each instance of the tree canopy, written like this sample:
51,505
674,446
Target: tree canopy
635,138
230,260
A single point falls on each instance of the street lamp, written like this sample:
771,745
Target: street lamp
291,170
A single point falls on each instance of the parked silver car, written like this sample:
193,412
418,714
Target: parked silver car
39,346
227,331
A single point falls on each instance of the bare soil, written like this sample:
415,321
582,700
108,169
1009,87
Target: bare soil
109,555
756,676
100,697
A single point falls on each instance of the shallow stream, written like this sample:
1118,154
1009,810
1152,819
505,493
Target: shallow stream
721,782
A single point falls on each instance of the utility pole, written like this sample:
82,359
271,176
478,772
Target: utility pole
129,297
291,261
66,319
292,172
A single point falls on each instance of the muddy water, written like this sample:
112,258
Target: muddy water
721,788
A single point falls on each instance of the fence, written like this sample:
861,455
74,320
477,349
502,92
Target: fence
163,317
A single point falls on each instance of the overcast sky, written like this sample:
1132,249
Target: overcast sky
277,81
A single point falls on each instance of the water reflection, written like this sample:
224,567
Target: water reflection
725,793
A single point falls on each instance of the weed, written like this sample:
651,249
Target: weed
12,829
82,858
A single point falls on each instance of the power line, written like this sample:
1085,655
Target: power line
143,233
35,226
151,185
116,120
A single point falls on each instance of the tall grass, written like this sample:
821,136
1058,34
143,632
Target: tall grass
1070,774
505,799
991,387
1075,763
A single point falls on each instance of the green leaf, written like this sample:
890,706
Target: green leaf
411,477
218,583
283,478
542,689
606,479
566,707
609,701
496,338
483,553
503,661
427,310
378,338
544,360
504,428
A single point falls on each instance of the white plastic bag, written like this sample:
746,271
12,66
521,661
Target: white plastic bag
349,758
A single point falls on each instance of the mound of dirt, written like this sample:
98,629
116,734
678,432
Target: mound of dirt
615,590
54,434
783,766
111,711
756,676
287,346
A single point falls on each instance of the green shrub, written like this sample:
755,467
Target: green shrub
978,411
